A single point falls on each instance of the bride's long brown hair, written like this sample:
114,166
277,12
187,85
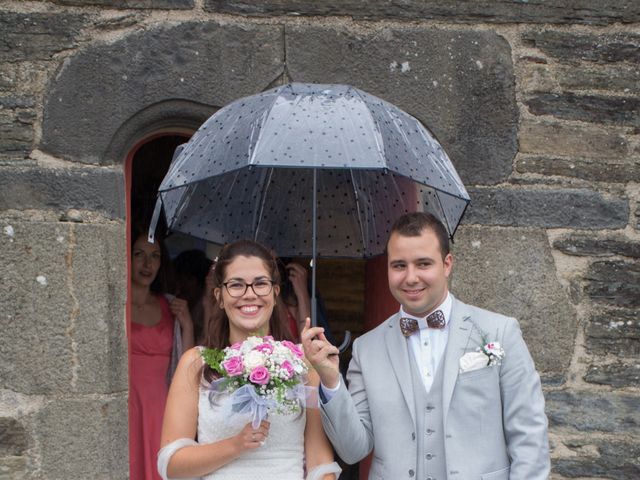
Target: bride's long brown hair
217,328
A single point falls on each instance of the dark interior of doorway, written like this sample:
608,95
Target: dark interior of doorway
149,166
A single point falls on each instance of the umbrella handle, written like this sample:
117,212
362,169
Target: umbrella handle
346,342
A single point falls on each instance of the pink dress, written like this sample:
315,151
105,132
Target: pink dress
150,356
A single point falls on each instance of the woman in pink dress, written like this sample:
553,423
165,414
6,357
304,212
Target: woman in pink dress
155,336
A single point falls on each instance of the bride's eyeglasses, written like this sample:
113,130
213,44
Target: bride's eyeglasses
237,288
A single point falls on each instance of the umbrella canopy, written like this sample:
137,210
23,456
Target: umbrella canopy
266,166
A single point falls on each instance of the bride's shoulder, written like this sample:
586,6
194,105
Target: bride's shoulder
191,362
193,354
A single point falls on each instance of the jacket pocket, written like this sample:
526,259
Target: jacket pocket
502,474
480,372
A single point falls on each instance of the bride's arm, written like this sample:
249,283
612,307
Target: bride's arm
318,451
181,421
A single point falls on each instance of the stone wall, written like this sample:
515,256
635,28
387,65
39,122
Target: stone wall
536,102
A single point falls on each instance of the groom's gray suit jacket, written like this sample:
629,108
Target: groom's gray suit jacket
493,418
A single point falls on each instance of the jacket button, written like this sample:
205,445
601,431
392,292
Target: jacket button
411,473
413,436
429,456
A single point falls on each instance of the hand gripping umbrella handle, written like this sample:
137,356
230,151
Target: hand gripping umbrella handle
347,334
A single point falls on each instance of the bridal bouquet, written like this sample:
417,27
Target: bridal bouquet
261,374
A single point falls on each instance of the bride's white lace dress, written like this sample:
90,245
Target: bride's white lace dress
280,458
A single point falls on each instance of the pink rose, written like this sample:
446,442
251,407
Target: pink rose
267,338
233,366
260,375
236,346
297,351
286,366
265,348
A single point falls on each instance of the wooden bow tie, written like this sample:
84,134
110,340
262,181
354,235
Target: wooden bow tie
409,326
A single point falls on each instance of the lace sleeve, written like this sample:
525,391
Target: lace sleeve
165,454
320,471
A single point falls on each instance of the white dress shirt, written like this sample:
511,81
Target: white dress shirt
427,346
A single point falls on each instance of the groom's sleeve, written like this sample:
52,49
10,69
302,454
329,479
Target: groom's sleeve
524,419
327,393
346,418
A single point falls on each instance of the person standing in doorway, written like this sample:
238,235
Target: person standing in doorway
159,331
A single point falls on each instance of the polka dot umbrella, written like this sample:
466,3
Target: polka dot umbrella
309,170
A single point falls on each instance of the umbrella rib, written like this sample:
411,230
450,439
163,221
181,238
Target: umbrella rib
441,190
266,112
262,204
357,198
444,215
462,215
178,211
377,136
206,179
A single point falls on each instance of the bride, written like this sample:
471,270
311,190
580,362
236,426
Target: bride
208,440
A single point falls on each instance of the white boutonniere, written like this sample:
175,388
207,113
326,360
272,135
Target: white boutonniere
487,354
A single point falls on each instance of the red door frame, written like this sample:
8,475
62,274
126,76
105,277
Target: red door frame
128,182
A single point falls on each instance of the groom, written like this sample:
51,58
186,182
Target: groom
429,405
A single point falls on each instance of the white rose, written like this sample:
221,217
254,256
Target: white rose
249,344
253,359
473,361
282,352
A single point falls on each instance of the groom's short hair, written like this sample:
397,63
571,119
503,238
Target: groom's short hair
413,224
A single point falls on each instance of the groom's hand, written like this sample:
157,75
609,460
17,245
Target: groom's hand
322,355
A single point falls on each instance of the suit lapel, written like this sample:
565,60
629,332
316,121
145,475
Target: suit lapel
398,351
459,331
